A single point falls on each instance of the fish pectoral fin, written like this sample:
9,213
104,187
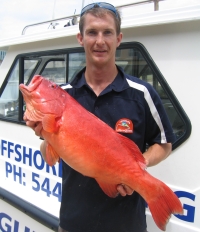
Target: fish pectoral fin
108,189
49,123
51,156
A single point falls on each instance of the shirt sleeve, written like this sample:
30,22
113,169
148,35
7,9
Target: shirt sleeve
158,126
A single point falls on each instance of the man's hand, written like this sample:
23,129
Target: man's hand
124,190
36,126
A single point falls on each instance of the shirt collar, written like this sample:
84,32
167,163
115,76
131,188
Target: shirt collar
119,84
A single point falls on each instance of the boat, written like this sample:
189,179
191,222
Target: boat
160,47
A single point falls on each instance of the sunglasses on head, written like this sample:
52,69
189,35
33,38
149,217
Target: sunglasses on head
104,5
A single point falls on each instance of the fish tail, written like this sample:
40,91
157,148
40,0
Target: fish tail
165,204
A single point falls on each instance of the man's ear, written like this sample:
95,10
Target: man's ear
119,39
80,38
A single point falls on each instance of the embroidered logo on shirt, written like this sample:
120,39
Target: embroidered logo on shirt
124,125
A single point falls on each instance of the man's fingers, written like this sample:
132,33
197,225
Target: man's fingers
38,128
124,190
128,190
31,124
121,190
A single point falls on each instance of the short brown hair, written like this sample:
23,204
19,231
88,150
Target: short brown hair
100,13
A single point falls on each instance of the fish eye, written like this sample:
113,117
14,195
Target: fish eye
53,86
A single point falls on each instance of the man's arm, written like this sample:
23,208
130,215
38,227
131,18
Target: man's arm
43,149
157,153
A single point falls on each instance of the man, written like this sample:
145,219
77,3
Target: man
106,91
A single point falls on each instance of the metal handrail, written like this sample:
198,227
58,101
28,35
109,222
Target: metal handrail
156,8
48,21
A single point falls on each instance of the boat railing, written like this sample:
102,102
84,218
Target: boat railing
73,19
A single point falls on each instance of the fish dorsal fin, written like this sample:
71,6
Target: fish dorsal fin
108,189
51,156
49,123
134,150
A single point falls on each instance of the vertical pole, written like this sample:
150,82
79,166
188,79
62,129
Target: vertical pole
83,2
54,6
156,5
21,80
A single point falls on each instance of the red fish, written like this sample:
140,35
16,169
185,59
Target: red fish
93,148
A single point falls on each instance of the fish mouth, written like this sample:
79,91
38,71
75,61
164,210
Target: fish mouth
35,82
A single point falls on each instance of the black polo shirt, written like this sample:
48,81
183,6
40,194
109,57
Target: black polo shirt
133,108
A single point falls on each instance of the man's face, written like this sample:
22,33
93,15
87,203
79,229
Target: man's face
99,39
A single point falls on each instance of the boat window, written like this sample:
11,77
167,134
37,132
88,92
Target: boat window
61,66
54,67
76,63
29,67
55,71
10,95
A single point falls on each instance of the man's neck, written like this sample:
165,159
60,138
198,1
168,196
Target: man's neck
98,79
